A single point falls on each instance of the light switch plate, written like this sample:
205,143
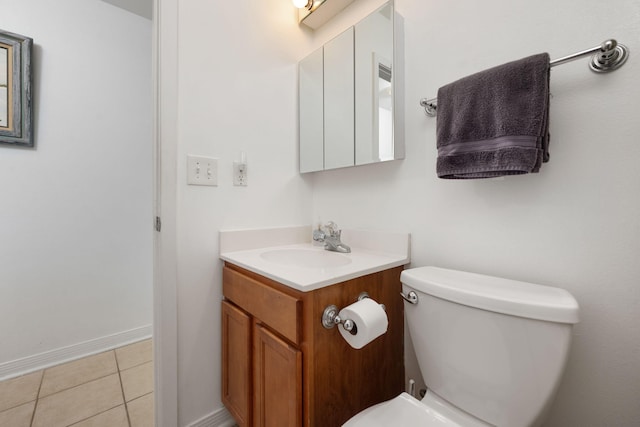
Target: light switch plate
202,170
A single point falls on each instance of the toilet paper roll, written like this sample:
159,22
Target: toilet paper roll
370,319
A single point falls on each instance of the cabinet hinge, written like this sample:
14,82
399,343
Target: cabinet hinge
158,224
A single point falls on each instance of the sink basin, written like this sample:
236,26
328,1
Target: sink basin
286,255
305,258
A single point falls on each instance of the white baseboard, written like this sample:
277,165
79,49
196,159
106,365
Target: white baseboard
219,418
57,356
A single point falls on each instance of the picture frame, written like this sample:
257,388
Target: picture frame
16,104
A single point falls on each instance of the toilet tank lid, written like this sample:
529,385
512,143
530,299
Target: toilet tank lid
495,294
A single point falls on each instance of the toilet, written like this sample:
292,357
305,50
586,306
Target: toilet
491,351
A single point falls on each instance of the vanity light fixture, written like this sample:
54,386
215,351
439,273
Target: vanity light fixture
314,13
307,4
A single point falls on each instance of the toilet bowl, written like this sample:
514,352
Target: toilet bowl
407,411
491,351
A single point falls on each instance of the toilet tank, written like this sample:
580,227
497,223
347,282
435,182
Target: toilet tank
494,348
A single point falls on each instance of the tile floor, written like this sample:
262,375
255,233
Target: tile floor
110,389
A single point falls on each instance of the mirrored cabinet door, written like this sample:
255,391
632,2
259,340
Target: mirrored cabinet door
373,87
339,102
311,112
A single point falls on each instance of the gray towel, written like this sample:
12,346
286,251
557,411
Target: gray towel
495,122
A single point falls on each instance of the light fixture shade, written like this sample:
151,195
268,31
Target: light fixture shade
300,3
320,11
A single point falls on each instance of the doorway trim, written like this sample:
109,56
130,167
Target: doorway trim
165,145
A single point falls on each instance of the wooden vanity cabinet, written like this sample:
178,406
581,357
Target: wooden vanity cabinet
281,367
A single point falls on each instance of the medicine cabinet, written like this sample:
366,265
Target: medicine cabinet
350,96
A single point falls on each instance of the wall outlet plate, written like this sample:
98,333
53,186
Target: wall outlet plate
240,174
202,170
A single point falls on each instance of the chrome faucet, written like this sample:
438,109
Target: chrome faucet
330,235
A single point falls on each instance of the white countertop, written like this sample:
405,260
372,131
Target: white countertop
371,252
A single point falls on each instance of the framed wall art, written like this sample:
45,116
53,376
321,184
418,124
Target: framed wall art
16,106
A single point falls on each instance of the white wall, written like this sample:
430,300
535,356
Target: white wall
143,8
575,225
237,92
75,212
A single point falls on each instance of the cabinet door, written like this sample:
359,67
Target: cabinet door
373,87
277,367
311,112
236,363
338,102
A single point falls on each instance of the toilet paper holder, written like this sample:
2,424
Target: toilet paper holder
331,318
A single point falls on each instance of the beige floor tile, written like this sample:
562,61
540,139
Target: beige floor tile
78,403
16,391
134,354
116,417
137,381
141,411
20,416
78,372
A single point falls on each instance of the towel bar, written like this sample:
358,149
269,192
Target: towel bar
607,57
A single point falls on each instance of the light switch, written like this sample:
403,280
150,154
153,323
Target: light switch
202,170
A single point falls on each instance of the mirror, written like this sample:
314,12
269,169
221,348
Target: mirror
350,96
311,113
338,101
373,88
